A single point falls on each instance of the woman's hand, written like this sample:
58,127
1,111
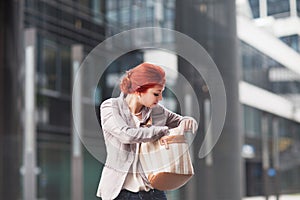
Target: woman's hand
189,124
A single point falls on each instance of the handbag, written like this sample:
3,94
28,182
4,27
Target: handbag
167,162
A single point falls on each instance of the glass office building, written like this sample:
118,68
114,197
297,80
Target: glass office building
271,137
283,134
59,25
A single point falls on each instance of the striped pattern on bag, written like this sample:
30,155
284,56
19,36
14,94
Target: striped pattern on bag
167,166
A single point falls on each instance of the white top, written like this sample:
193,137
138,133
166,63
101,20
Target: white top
134,181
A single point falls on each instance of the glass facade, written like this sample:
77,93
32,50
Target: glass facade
92,172
278,8
254,5
286,175
264,72
53,125
256,66
54,162
54,68
293,41
123,15
275,8
53,84
252,122
298,7
59,25
289,148
254,174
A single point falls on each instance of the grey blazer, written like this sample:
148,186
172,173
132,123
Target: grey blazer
122,137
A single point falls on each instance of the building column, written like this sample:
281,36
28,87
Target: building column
263,9
11,59
265,154
219,176
77,160
293,8
276,161
29,169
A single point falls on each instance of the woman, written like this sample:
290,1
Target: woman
129,120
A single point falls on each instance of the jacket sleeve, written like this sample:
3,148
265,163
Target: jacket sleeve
174,119
112,122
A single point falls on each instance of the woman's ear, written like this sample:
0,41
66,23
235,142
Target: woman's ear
138,94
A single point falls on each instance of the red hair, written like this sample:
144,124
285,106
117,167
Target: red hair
142,77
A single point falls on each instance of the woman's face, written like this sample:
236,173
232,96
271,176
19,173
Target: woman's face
152,96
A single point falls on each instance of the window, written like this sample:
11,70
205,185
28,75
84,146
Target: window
53,158
97,8
92,171
298,7
278,8
85,3
55,67
65,65
254,178
293,41
254,4
53,84
262,70
53,111
255,68
252,122
49,62
289,160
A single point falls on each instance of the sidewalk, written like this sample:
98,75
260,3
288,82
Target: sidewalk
282,197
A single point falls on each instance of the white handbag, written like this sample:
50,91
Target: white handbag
167,162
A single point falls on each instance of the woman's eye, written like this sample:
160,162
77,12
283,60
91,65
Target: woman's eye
156,94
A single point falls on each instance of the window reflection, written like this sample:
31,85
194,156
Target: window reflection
292,41
53,111
133,13
298,7
65,65
278,8
263,71
254,4
255,66
55,67
252,122
53,159
49,71
289,149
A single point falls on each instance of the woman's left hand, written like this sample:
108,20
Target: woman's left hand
189,124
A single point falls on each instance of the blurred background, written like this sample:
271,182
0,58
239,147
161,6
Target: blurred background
254,43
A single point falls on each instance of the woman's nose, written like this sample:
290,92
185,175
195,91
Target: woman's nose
160,98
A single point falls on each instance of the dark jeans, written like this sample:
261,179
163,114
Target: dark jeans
150,195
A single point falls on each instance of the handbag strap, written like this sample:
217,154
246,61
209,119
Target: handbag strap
171,139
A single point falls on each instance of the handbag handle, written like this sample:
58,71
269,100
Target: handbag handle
170,139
